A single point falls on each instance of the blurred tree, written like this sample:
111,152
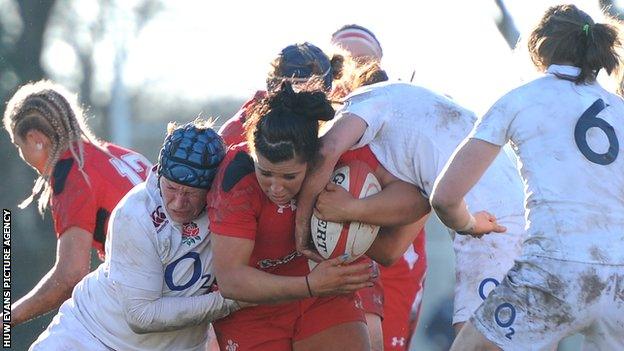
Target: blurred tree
30,32
21,41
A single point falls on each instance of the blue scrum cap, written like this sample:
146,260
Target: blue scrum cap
191,156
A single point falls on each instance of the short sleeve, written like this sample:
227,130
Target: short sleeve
429,163
134,260
493,127
372,107
234,212
74,202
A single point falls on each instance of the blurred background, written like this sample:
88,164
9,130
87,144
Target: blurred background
137,64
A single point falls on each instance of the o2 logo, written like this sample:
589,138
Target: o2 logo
197,270
505,313
485,282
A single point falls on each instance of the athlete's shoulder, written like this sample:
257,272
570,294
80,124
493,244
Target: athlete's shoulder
237,166
60,175
136,202
372,91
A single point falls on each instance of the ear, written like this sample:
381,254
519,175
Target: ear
35,137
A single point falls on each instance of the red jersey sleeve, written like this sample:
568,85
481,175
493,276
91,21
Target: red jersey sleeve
234,201
73,201
233,131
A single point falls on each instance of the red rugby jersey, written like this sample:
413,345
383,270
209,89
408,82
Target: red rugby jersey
233,131
87,203
238,207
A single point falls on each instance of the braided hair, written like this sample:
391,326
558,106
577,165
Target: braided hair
53,111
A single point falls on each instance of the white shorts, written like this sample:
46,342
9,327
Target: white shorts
480,264
542,300
66,333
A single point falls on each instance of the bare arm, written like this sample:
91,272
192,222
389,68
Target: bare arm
341,137
73,261
399,203
392,242
239,281
471,160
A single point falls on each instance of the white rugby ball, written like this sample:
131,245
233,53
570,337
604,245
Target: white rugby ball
354,238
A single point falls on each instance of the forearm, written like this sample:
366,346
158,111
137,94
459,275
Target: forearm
392,242
396,205
454,215
148,312
248,284
51,291
315,183
463,171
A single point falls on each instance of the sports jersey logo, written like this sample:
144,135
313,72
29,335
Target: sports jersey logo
358,303
231,345
396,341
378,299
190,233
158,217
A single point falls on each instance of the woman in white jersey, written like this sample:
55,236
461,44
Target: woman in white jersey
568,133
413,132
154,291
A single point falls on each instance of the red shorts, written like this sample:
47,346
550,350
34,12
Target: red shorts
403,288
373,298
277,327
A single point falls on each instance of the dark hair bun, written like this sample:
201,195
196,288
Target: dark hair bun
312,105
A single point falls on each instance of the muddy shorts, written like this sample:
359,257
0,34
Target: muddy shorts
480,265
542,300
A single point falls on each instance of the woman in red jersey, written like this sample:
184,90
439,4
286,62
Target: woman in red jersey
251,211
82,178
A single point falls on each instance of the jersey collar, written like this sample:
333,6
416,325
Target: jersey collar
563,70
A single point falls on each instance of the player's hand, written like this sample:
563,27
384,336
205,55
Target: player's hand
303,243
335,277
485,224
335,204
303,238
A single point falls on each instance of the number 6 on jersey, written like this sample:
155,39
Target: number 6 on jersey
589,120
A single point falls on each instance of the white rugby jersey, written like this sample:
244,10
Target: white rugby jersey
570,142
414,131
147,250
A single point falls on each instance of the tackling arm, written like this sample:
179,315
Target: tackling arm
341,137
148,311
470,161
398,203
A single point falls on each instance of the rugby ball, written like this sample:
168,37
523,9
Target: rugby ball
354,238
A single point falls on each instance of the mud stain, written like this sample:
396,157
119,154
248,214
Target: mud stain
448,116
597,254
592,287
